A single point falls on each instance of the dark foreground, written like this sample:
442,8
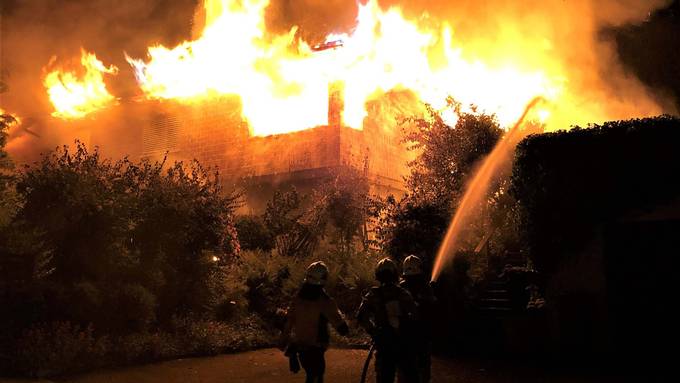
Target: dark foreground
269,365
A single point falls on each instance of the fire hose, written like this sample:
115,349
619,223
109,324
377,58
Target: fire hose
367,363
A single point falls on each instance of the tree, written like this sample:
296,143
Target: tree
447,154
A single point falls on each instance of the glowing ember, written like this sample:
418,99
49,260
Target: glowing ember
76,96
283,82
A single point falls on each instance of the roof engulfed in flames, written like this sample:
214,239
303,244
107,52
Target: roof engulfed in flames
283,81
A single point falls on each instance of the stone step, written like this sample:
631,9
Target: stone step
495,310
497,284
495,300
497,291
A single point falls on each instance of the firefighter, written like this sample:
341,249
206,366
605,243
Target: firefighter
416,282
306,331
387,313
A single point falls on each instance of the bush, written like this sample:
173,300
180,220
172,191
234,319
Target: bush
412,227
622,167
87,303
265,277
351,275
59,348
199,336
271,281
253,234
145,347
135,309
118,244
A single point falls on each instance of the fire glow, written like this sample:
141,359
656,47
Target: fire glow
283,81
76,96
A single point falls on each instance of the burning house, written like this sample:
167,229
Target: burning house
215,134
281,105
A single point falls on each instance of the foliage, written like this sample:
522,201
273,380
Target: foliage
120,244
346,202
297,229
135,308
253,234
338,210
271,281
568,183
408,227
58,348
6,121
51,349
447,154
8,200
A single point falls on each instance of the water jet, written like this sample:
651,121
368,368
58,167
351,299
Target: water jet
478,188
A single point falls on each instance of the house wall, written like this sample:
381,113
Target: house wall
215,134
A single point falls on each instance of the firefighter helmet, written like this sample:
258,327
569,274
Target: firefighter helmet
386,271
412,266
316,274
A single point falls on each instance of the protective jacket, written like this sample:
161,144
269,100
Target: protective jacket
307,324
424,297
387,310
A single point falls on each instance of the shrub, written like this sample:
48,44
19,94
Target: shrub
412,227
93,235
200,336
134,309
271,281
253,234
621,167
145,347
264,276
58,348
351,275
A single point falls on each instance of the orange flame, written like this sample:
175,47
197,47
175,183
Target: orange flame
283,82
75,97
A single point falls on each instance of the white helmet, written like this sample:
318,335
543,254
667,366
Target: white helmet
316,274
412,266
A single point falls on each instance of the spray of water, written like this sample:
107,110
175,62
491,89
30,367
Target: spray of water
478,189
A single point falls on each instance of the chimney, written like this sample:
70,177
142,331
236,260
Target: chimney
336,103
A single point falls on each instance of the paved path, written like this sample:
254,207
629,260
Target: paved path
269,365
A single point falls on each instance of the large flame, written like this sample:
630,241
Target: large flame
76,96
283,82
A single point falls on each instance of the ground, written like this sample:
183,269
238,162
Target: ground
269,365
